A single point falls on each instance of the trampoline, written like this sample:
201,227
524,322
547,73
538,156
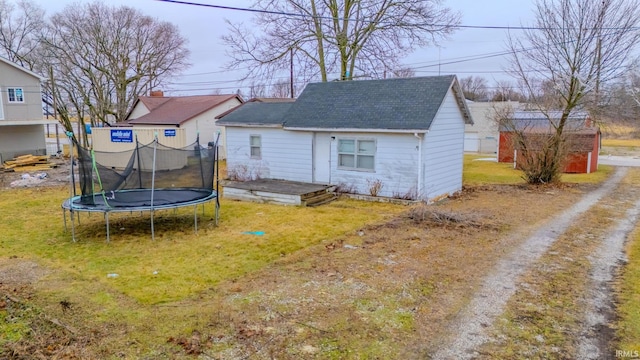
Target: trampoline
143,178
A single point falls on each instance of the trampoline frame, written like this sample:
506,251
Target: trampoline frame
71,206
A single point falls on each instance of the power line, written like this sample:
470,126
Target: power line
298,15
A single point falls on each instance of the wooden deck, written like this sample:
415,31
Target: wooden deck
278,192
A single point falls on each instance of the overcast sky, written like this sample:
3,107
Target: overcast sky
203,27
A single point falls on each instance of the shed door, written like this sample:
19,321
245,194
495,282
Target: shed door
322,158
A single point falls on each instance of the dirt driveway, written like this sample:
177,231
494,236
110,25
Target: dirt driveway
473,327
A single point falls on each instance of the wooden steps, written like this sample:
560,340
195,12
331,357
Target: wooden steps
28,163
318,198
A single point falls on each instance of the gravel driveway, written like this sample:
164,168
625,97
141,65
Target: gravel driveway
632,161
472,327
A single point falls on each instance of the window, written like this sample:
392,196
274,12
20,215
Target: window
256,146
356,154
16,95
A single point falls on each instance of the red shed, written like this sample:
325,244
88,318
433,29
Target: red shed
582,136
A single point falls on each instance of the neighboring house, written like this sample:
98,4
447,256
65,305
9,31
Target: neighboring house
401,137
483,135
21,119
195,114
582,137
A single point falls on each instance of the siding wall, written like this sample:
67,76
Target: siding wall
396,165
443,149
21,140
31,109
485,126
139,110
286,155
205,125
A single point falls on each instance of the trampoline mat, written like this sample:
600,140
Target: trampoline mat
142,198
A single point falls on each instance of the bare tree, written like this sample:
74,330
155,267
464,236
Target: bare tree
352,38
575,46
102,58
281,89
474,88
404,72
257,90
505,90
620,102
21,25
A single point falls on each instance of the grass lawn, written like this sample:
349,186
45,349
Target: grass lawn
629,298
484,170
179,264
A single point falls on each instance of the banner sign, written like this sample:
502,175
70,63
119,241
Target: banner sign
122,136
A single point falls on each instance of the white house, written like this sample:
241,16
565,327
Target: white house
21,119
402,137
195,114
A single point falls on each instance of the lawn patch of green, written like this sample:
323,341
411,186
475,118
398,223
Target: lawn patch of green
630,143
179,263
485,170
594,178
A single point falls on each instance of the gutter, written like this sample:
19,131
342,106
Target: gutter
388,131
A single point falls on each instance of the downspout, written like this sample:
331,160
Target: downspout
420,166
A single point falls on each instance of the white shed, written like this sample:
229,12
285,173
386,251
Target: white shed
399,138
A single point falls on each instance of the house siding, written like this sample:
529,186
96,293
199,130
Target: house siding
286,155
139,110
21,140
205,125
21,124
396,165
443,148
31,108
485,126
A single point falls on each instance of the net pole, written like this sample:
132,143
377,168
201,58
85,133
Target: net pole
106,216
195,218
199,153
216,173
139,164
153,182
72,186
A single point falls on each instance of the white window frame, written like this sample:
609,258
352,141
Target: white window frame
357,154
255,150
15,95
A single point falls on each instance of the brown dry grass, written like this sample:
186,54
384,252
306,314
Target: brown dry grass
386,291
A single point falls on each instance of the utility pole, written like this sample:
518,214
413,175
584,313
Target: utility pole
291,72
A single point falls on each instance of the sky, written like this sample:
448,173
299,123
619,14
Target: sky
204,26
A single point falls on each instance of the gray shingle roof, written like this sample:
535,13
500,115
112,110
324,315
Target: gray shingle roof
539,121
392,104
395,104
256,113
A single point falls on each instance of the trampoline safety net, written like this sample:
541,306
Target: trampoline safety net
124,179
